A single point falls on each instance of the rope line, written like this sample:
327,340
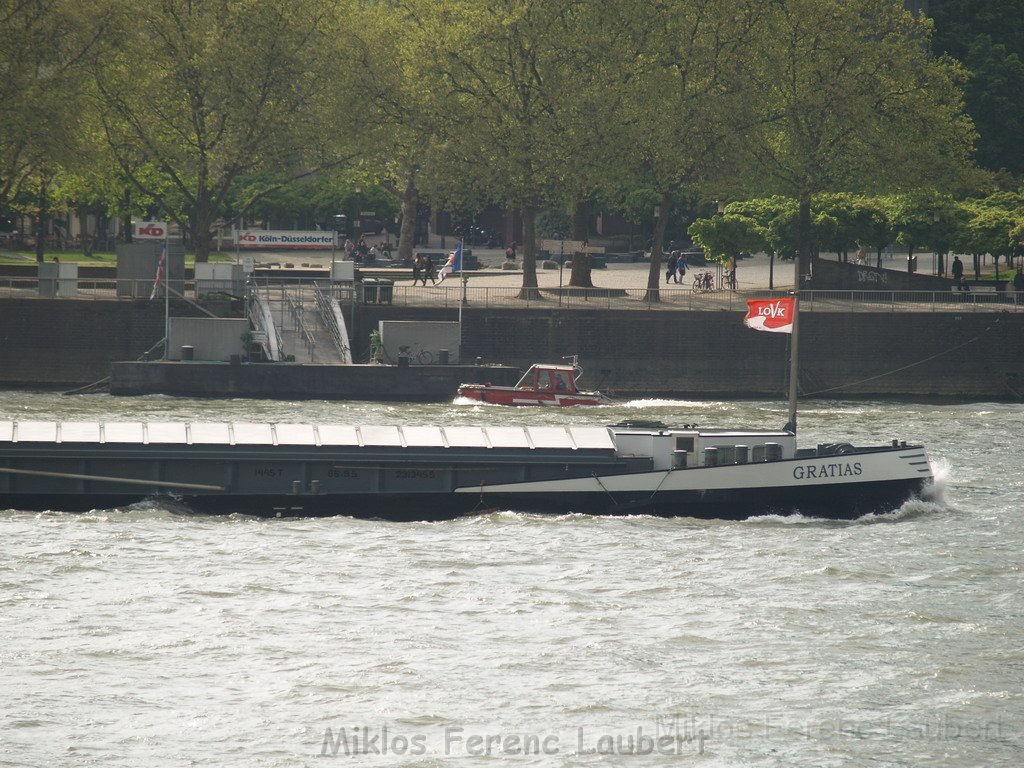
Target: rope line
904,368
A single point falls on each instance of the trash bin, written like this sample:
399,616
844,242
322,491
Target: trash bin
188,352
385,291
369,291
442,357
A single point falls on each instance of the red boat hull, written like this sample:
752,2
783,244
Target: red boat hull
521,396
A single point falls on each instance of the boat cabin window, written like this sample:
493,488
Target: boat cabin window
547,379
684,443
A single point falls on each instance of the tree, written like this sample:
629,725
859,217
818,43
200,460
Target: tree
44,47
777,219
684,101
728,236
210,90
853,100
988,37
519,85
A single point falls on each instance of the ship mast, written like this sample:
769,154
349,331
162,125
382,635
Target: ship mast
794,346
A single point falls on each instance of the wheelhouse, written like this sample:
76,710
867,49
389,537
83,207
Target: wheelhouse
549,378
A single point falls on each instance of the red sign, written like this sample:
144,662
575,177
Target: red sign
770,315
151,229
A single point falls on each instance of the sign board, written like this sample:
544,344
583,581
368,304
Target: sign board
556,247
270,238
569,247
367,213
151,230
343,271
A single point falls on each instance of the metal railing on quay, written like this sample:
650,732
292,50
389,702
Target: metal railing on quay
451,293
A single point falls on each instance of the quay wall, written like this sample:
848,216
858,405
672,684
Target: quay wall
969,355
54,343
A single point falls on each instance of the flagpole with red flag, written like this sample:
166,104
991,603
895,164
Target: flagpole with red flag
779,316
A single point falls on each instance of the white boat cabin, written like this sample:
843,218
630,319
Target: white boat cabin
550,378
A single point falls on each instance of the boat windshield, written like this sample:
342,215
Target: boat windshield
548,379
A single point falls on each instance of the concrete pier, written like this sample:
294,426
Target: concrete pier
426,383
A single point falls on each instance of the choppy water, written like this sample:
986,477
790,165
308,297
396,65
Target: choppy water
149,638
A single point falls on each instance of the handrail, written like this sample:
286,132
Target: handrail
326,306
262,320
298,312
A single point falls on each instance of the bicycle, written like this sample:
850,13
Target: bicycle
703,282
729,281
416,353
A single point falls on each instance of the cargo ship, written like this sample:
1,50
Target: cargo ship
408,473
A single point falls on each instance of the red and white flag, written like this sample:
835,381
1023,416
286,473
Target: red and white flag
774,315
161,270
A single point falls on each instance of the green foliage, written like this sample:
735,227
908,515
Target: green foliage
729,235
988,37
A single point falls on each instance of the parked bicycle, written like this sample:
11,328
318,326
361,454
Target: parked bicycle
416,353
729,280
703,282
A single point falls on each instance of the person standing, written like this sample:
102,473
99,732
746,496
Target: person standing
1018,286
670,268
417,268
428,271
958,273
680,266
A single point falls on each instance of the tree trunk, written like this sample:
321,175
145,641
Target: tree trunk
940,266
529,290
125,216
977,267
910,258
771,272
654,274
40,222
407,232
581,220
84,237
581,277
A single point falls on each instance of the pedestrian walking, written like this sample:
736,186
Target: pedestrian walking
1018,286
670,268
958,273
428,271
417,268
680,267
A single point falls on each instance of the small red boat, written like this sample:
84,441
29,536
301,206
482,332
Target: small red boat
542,385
